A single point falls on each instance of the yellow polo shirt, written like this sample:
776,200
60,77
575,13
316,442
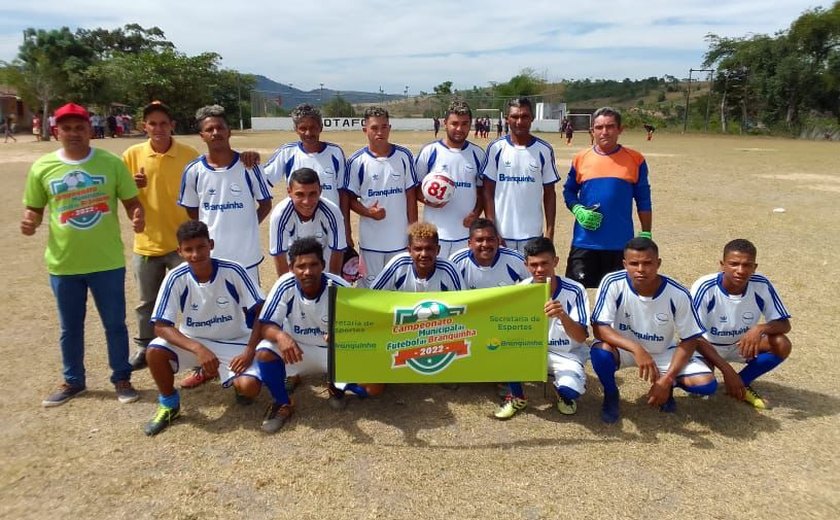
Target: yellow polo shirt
160,196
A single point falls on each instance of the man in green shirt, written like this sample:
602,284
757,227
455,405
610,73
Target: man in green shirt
81,185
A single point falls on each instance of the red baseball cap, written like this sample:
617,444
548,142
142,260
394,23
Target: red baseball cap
71,110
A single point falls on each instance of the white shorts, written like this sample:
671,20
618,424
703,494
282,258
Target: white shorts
518,245
373,262
695,365
447,248
225,351
567,370
314,360
730,353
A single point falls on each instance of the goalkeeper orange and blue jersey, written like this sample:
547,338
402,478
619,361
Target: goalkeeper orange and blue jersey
611,182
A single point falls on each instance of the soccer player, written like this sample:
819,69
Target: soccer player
568,310
520,171
381,187
305,212
218,189
602,184
294,322
327,159
485,263
650,129
730,304
462,161
637,314
420,269
213,298
81,186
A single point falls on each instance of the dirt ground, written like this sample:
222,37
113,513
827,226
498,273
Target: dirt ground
431,452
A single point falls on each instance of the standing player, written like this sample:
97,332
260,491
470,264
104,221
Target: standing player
420,269
294,322
570,132
157,165
650,129
568,310
520,171
603,182
730,304
461,160
305,212
213,298
637,314
485,263
381,187
231,199
81,186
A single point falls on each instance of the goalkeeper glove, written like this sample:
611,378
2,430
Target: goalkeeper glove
588,219
645,234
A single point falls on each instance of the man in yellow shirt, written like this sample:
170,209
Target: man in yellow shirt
157,165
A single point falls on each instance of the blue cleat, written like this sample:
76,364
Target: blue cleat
610,409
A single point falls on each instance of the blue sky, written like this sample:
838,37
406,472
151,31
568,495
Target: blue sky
365,44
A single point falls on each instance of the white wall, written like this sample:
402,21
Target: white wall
356,123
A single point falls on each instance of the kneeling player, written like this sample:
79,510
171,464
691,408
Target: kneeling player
214,297
729,304
568,309
637,314
294,325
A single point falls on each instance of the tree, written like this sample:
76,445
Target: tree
338,107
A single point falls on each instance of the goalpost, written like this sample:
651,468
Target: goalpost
581,122
493,113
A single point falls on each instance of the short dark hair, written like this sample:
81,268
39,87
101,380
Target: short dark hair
305,176
376,111
641,244
306,110
157,106
741,245
539,245
458,107
192,229
483,223
306,246
607,112
521,102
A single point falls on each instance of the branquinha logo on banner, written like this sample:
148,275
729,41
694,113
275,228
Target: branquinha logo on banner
497,334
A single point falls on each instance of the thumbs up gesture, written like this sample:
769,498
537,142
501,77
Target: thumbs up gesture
140,178
375,212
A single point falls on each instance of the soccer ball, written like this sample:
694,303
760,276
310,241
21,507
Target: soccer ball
427,310
438,188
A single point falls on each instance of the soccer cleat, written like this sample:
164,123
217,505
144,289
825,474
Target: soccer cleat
610,409
162,419
138,359
336,399
64,393
567,406
511,407
292,382
276,416
752,397
125,392
196,378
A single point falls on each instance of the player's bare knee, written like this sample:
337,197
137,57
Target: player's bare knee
266,356
780,345
156,355
698,380
247,386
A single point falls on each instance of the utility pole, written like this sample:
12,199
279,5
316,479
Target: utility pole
239,101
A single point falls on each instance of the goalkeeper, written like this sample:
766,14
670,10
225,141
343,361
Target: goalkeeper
602,184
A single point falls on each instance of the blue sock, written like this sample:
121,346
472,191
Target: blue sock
706,389
763,363
567,393
170,401
516,390
273,374
605,366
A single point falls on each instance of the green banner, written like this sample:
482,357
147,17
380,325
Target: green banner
482,335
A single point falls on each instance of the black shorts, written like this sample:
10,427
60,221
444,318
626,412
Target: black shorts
589,266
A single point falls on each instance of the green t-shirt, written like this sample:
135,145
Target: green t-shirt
82,200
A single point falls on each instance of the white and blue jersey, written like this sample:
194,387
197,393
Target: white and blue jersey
399,275
520,174
384,180
213,310
329,163
651,321
464,166
226,200
727,317
508,268
572,296
305,320
326,226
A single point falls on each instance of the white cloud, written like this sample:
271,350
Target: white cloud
362,45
